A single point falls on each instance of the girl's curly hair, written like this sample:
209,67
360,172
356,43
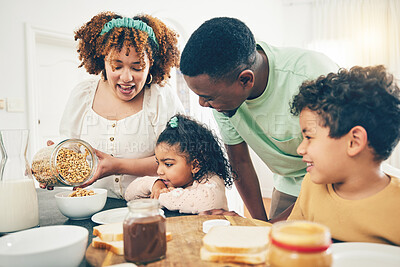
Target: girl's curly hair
365,96
93,47
196,142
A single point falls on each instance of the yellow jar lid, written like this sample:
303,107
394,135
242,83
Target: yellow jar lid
301,233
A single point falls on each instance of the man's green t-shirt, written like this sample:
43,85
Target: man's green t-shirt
266,124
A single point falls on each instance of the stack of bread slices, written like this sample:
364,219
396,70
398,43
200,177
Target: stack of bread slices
110,237
237,244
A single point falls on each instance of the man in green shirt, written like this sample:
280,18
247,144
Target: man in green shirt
250,85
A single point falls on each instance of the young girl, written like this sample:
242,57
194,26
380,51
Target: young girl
123,109
193,170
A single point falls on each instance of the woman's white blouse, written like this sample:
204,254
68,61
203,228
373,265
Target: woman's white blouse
132,137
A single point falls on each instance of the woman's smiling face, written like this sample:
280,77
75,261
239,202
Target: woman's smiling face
125,76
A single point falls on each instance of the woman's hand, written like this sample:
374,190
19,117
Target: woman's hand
158,188
219,212
105,167
44,186
41,185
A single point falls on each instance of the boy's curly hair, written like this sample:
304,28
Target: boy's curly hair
367,97
196,142
93,48
220,48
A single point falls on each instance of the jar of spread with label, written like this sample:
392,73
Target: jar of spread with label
71,162
299,244
144,231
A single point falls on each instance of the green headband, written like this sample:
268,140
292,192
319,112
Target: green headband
129,23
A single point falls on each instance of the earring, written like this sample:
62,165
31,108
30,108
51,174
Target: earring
151,79
104,75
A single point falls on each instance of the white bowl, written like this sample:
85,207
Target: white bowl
58,245
80,208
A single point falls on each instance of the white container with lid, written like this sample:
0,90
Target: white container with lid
207,225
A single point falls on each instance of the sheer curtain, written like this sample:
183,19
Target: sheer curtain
360,32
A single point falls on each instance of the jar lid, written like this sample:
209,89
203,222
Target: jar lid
146,203
302,236
207,225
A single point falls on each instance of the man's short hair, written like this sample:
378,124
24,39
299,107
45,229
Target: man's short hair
220,48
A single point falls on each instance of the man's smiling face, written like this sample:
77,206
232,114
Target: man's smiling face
219,95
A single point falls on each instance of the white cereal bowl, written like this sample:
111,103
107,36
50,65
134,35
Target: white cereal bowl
81,208
58,245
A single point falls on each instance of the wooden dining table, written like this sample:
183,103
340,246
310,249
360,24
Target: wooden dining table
50,215
184,247
182,250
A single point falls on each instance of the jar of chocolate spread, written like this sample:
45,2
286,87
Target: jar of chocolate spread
144,232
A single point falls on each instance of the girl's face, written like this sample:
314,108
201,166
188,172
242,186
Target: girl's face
172,167
125,76
326,157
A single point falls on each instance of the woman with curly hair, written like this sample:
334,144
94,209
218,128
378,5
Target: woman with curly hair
192,167
122,112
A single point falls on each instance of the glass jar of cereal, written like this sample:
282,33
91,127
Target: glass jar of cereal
71,162
299,244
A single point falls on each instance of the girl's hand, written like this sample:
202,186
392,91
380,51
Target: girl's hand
219,212
105,167
158,188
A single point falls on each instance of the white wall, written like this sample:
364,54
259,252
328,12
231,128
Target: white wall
266,18
276,22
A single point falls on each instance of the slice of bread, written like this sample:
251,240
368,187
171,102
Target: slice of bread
109,232
247,258
168,236
110,236
114,232
115,246
237,239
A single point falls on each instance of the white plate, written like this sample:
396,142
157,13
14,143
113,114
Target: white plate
110,216
113,215
350,254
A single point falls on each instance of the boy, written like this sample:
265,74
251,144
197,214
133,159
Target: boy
350,122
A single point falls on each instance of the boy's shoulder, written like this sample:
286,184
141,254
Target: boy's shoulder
390,170
394,174
395,180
